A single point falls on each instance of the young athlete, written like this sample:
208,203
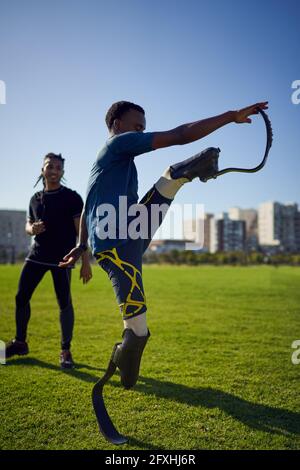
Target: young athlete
53,220
113,175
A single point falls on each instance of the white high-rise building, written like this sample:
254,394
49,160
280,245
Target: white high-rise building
279,226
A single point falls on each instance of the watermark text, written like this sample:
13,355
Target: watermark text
2,92
296,354
2,352
138,221
296,94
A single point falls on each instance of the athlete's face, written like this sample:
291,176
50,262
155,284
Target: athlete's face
53,170
131,121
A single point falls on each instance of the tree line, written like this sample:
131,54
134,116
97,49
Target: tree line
241,258
193,258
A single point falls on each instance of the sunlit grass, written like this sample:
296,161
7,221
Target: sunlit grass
216,373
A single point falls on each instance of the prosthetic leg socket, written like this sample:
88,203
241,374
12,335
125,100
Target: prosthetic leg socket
127,356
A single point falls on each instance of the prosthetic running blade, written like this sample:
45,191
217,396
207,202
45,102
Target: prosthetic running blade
269,133
105,424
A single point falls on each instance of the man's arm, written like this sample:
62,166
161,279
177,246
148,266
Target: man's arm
85,270
81,230
78,222
28,228
192,131
73,256
34,228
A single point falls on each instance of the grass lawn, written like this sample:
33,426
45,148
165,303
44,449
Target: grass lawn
216,373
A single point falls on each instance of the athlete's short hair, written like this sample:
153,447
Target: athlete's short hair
117,110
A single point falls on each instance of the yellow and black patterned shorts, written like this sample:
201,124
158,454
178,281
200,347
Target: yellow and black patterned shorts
123,263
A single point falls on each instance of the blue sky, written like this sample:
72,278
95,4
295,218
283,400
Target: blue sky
65,62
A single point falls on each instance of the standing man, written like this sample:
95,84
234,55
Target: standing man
53,221
113,178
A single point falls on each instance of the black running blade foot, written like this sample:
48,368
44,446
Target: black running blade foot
106,426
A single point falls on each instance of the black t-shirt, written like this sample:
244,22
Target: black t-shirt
57,209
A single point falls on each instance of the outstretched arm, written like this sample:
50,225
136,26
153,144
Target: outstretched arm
196,130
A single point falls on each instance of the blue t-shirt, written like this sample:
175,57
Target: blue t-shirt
113,175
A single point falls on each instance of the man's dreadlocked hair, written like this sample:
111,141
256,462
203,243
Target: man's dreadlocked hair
117,110
50,155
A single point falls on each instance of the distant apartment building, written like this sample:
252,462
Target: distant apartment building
226,234
279,227
13,239
250,216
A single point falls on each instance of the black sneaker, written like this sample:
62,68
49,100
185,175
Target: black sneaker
203,165
15,347
65,359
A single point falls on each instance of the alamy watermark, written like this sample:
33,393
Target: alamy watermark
2,92
296,94
2,353
138,221
296,354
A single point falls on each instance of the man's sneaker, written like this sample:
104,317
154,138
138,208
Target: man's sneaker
203,165
15,347
65,359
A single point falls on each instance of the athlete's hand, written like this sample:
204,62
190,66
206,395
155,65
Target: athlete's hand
70,259
86,273
38,227
242,115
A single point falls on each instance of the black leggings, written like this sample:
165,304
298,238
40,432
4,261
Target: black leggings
32,274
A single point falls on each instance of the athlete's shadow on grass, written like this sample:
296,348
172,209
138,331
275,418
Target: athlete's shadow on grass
75,372
78,374
260,417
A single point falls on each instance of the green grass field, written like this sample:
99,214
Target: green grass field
216,373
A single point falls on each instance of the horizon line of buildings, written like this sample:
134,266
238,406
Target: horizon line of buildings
272,228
